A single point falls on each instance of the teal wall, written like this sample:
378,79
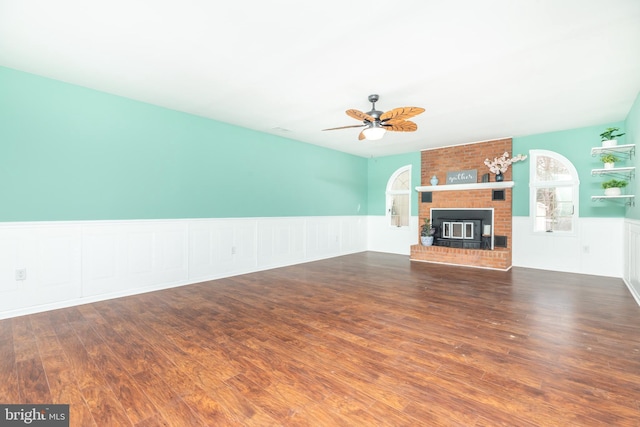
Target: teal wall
575,145
381,169
632,128
71,153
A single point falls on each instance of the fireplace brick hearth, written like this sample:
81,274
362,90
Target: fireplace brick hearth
463,157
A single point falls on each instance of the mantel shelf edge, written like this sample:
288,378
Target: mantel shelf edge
463,187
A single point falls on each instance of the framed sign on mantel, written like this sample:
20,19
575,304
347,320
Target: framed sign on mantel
462,177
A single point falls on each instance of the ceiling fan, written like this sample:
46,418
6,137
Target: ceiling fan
376,123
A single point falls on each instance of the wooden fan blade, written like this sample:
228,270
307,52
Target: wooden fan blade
346,127
359,115
401,113
400,126
361,136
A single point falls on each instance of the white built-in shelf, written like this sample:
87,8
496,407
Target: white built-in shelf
627,150
627,172
627,199
463,187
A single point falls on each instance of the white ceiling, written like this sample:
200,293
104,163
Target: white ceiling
481,69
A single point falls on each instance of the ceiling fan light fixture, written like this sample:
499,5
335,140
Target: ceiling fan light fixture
374,133
376,123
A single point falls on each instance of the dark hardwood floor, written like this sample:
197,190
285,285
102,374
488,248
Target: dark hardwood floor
367,339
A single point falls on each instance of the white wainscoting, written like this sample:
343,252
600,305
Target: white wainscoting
51,256
71,263
396,240
596,248
632,257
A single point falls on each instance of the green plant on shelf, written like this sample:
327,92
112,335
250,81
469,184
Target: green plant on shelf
614,183
609,158
608,134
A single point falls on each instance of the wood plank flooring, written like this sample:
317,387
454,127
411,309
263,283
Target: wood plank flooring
368,339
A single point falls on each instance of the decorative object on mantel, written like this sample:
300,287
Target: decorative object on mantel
434,180
608,137
609,160
427,232
500,165
613,187
462,177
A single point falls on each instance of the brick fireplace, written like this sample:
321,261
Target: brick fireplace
467,196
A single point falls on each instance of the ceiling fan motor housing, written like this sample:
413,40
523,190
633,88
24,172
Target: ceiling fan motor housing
374,113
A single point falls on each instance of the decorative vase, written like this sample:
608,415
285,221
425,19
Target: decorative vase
499,177
426,240
613,191
434,180
609,165
610,143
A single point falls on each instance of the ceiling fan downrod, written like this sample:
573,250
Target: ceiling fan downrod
374,113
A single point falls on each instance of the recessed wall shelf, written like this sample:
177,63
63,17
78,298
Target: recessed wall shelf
472,186
627,172
628,199
627,150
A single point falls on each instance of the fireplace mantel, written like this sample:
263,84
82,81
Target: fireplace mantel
472,186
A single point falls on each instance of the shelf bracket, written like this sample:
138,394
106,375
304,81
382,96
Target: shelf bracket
626,151
628,200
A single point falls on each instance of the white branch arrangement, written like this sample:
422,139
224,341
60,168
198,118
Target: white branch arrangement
502,163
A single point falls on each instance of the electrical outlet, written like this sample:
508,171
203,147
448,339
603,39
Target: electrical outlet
21,274
233,250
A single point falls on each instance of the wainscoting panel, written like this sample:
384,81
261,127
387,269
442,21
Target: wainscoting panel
50,256
10,249
323,237
281,242
353,232
382,237
595,248
70,263
122,256
632,258
219,248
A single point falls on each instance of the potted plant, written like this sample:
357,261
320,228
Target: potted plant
609,136
613,187
609,160
426,233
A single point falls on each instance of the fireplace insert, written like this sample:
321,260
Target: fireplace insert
461,228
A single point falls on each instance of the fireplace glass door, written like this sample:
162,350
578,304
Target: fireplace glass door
457,230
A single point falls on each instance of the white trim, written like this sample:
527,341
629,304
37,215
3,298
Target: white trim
389,193
463,187
631,270
534,185
467,143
